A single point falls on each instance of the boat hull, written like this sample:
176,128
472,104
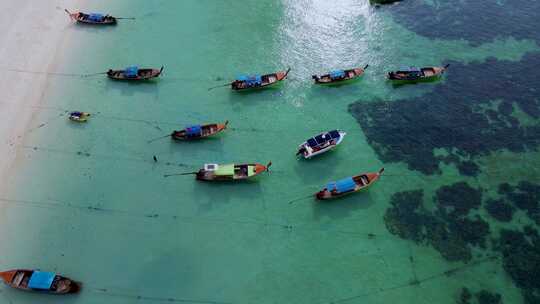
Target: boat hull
9,276
437,73
372,178
211,176
279,77
214,130
148,75
325,80
310,155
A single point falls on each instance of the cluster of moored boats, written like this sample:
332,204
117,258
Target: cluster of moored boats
50,282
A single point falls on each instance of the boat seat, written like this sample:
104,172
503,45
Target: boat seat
364,179
18,279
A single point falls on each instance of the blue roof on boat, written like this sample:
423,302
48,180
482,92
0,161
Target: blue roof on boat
341,186
250,79
410,69
194,130
131,71
337,74
95,17
41,280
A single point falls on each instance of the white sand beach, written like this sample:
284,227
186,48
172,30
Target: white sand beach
32,41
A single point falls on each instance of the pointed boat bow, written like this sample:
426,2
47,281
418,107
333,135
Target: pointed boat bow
7,276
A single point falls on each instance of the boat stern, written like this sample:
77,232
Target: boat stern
322,195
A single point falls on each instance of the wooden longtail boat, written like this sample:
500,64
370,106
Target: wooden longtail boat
94,18
258,81
79,116
383,1
134,74
340,76
229,172
39,281
321,143
199,131
413,75
348,185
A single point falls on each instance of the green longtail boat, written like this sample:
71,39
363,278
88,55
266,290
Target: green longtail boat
229,172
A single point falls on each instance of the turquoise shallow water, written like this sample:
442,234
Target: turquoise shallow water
97,208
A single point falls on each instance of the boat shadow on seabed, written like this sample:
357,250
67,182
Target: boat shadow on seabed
224,192
346,207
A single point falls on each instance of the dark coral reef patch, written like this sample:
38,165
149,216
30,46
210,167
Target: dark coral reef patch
500,210
475,21
459,116
447,228
521,260
525,196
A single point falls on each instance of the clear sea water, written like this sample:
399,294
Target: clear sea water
89,202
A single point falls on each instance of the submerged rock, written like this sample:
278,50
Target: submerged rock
521,260
450,233
500,210
458,199
525,196
405,219
477,22
448,118
465,296
486,297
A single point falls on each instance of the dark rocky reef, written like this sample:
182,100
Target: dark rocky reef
525,196
521,260
458,116
482,297
486,297
376,2
405,218
465,296
447,228
458,199
475,21
500,210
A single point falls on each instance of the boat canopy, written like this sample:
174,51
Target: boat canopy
225,170
41,280
194,131
251,79
131,71
342,186
337,74
95,17
409,69
323,138
334,134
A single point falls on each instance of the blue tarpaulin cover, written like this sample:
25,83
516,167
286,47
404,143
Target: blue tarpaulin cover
251,79
131,71
95,17
41,280
337,74
341,186
195,130
410,69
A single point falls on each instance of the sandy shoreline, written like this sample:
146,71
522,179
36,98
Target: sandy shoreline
30,48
